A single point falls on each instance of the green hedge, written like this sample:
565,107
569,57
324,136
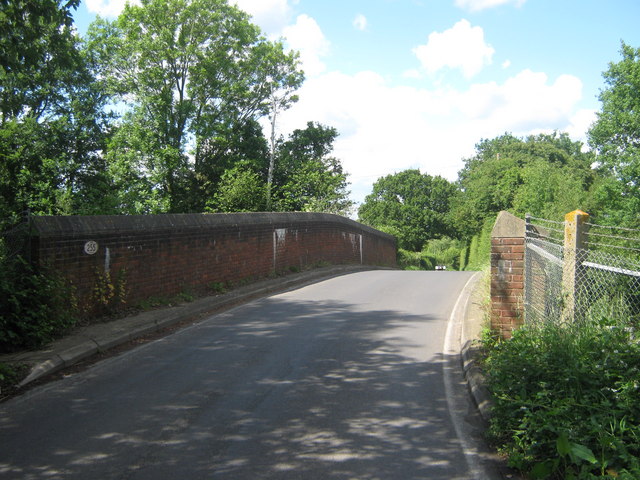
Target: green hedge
479,255
35,307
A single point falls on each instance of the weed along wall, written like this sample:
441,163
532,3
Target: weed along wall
117,260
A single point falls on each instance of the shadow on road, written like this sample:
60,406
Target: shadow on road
274,389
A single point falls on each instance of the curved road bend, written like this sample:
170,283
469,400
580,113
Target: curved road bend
342,379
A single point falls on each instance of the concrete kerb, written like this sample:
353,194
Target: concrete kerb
475,318
88,341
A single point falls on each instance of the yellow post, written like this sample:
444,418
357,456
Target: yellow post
574,229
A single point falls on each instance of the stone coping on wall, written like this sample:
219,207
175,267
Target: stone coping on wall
508,226
53,226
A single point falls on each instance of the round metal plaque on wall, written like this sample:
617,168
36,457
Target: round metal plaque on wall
90,247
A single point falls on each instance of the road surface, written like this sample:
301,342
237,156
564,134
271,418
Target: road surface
348,378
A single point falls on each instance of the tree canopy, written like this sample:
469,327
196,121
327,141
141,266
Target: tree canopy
193,73
53,125
545,175
410,204
306,176
615,137
156,111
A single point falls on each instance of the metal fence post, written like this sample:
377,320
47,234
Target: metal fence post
574,229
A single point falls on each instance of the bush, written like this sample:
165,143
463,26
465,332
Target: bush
35,307
11,375
480,247
567,400
408,260
444,251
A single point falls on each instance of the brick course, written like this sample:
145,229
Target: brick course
507,270
163,255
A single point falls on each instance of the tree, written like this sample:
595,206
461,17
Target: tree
541,175
52,124
615,136
549,192
307,177
193,71
240,190
281,97
412,204
242,145
38,57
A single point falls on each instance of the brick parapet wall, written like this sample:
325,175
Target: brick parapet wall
163,255
507,274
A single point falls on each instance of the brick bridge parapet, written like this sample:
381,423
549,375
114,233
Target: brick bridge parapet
143,256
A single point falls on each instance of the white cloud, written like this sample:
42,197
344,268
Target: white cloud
462,46
580,123
108,8
506,64
306,37
360,22
477,5
384,129
412,74
524,103
271,15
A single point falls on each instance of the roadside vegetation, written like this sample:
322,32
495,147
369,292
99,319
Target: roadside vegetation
567,396
545,175
567,399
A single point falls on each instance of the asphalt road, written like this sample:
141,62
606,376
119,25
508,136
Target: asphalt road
344,379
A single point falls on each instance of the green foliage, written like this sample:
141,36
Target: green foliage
306,177
240,190
243,150
463,261
550,192
193,73
35,307
616,137
544,175
408,260
186,295
52,124
217,287
415,205
109,293
444,251
38,56
567,399
480,247
11,375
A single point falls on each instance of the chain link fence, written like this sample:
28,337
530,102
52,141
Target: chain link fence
544,255
608,281
602,279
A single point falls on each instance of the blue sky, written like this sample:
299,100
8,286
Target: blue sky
417,83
